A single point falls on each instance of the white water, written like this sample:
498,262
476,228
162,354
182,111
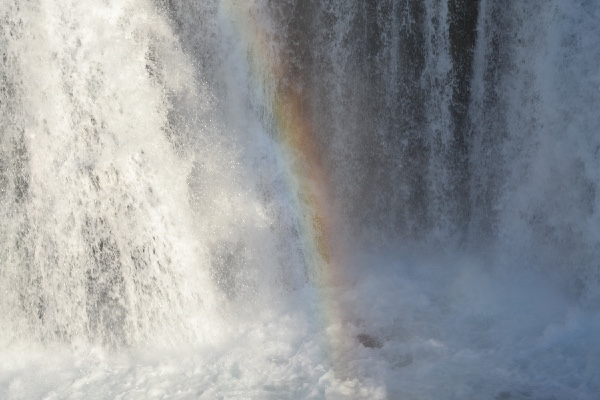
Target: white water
150,241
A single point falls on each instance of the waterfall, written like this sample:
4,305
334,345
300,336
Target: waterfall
95,242
539,194
300,198
451,125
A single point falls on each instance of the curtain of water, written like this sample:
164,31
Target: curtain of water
141,177
458,125
95,244
535,144
140,182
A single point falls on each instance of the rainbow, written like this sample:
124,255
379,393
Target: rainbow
304,163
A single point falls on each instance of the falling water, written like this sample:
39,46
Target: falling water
299,199
95,240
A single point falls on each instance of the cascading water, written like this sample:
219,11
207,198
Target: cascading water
299,199
95,242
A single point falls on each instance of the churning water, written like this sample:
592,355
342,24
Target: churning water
287,199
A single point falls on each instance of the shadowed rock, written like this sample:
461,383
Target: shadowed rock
369,341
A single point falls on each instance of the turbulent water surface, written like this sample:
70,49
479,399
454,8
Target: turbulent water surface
299,199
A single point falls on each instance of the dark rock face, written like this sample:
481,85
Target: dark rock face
369,341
